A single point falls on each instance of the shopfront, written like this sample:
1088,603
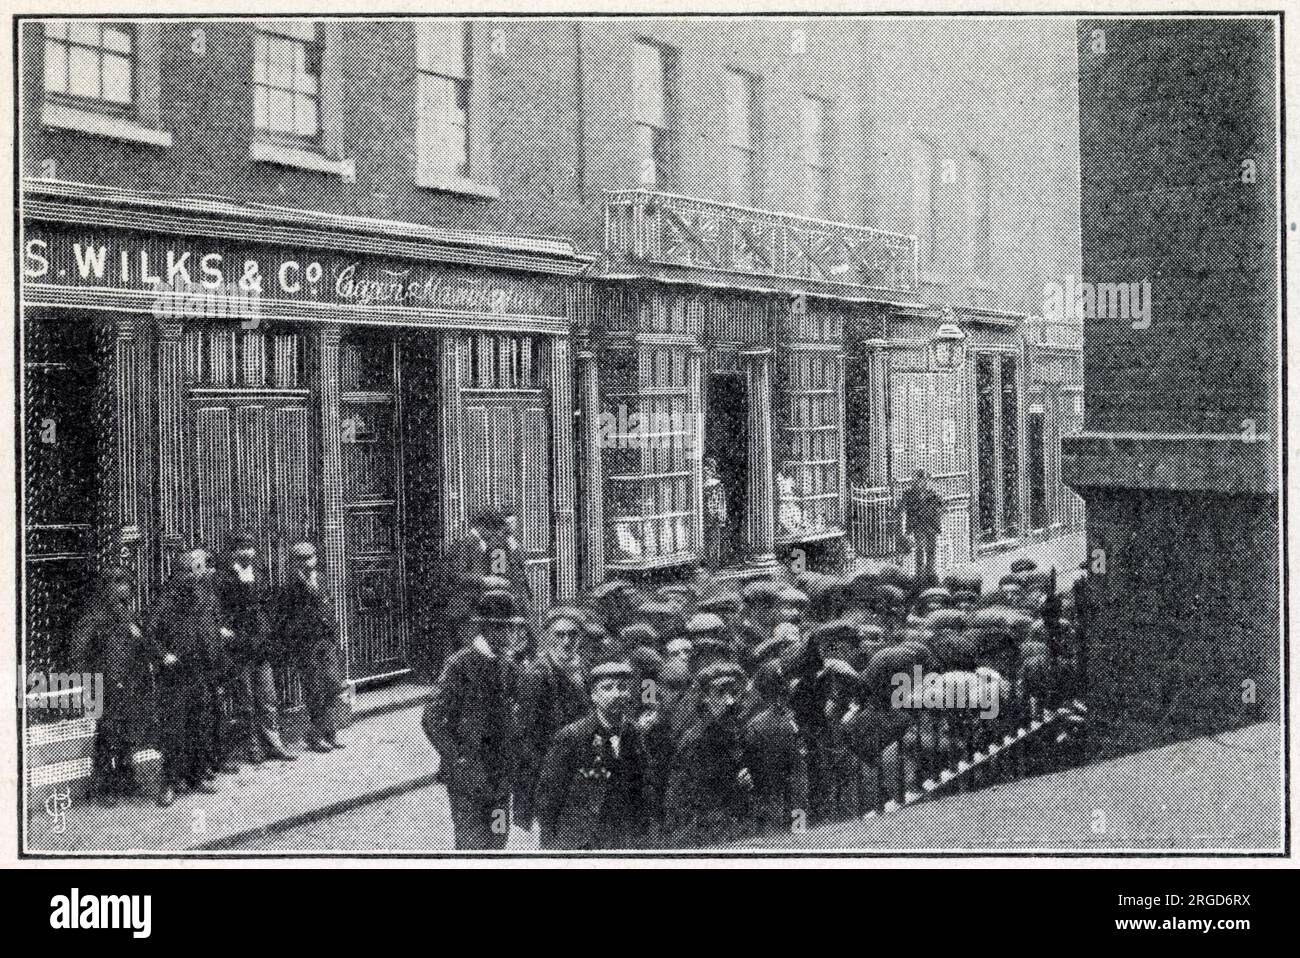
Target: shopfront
725,329
195,367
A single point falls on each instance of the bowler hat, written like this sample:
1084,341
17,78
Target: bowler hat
498,607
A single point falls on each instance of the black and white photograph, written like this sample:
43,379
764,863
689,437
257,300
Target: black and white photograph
626,434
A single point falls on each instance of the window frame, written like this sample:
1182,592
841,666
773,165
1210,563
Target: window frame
314,55
93,104
463,86
751,153
820,171
662,135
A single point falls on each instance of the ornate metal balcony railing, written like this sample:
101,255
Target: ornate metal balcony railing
670,230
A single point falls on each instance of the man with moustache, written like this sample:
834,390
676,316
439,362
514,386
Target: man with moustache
184,649
245,607
471,721
709,785
552,694
305,622
595,790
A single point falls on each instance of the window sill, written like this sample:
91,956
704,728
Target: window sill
455,184
281,154
59,116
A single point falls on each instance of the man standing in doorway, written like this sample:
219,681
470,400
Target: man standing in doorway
922,508
305,622
715,514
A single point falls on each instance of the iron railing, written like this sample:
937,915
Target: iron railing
671,230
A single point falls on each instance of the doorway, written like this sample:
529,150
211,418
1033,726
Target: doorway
726,440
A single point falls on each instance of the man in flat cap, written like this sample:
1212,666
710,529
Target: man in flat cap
762,611
308,629
595,790
471,722
709,785
722,602
776,755
108,640
242,590
489,548
552,694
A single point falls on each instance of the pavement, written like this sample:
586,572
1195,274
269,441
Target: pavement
378,793
386,754
1220,792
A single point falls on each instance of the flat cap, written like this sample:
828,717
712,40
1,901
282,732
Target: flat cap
606,670
762,593
703,622
721,602
718,673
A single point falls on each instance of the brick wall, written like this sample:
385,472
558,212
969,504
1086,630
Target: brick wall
1187,610
552,152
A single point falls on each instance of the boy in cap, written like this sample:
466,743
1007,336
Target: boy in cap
922,508
471,722
595,790
246,610
183,647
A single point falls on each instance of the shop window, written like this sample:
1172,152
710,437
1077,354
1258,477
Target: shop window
1010,449
286,79
986,446
808,453
1035,439
648,438
503,361
221,357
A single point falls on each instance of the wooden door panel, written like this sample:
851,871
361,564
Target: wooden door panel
213,515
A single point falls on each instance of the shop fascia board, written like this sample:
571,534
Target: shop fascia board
95,204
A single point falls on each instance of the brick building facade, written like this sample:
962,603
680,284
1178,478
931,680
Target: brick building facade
1178,460
903,182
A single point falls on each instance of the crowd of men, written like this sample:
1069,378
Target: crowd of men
697,714
206,652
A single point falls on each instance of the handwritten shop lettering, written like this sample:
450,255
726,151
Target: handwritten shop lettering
159,265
